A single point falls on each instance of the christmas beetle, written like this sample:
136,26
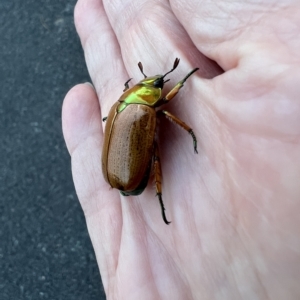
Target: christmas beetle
130,148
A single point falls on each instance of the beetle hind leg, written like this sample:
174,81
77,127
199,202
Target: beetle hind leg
158,177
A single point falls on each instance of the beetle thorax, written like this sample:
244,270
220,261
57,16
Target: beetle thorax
147,91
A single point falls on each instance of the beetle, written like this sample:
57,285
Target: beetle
130,148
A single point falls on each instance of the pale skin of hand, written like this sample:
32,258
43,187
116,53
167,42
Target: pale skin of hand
234,207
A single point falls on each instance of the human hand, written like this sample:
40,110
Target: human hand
235,206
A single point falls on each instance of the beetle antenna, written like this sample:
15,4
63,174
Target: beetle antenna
141,68
166,80
176,62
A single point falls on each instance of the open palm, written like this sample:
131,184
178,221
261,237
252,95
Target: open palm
234,207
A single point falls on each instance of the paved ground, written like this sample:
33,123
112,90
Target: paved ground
45,251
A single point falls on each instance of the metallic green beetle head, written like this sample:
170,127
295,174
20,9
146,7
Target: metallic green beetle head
158,80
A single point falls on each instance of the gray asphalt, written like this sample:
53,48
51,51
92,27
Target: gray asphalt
45,251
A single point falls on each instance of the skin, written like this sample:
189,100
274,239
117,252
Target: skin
234,207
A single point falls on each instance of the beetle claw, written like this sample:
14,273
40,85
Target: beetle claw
162,208
191,132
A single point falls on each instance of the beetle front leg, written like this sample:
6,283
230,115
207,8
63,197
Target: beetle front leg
177,87
174,119
126,85
158,178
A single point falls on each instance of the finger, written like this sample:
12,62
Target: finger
78,108
209,25
149,32
82,130
102,52
226,32
249,40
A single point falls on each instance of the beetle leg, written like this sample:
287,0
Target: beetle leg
126,85
172,118
158,177
177,87
104,119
